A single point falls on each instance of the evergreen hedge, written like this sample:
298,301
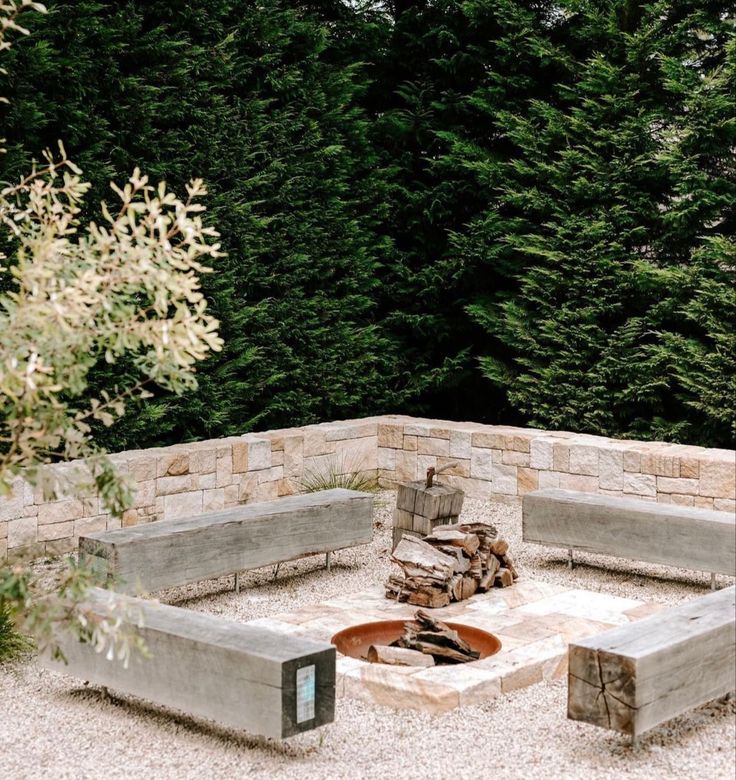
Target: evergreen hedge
504,210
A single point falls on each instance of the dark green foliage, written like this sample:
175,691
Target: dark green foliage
247,96
544,189
622,184
12,644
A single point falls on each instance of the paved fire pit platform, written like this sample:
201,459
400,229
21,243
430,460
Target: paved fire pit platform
534,620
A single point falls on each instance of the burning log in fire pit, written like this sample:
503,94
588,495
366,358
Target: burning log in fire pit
425,642
451,564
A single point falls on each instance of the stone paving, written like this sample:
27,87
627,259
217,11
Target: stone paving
534,621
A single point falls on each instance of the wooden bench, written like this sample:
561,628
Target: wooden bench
633,677
168,553
631,528
238,675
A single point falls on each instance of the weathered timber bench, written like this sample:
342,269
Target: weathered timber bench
634,677
168,553
631,528
237,675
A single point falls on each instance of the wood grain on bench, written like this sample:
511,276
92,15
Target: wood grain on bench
631,528
168,553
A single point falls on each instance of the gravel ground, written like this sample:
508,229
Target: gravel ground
53,727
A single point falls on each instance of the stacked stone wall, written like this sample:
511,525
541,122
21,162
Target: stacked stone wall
493,462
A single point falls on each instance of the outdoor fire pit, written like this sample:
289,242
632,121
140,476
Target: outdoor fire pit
357,641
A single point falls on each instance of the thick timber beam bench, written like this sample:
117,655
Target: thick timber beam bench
631,528
238,675
169,553
633,677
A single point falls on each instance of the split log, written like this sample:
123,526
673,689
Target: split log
398,656
470,585
500,547
504,578
488,578
437,639
463,564
476,568
417,558
452,538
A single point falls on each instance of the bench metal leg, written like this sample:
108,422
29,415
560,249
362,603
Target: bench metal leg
570,562
328,561
236,582
276,570
635,741
712,581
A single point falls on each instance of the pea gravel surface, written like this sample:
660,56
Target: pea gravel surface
52,726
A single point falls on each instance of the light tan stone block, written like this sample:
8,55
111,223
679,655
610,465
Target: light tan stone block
504,479
259,454
660,464
632,461
724,505
165,486
580,482
406,466
433,446
213,500
488,440
224,471
203,461
267,491
583,460
640,484
315,443
718,477
520,442
417,428
481,464
293,455
690,468
460,444
286,487
90,525
277,457
561,457
206,481
540,453
129,518
611,469
240,457
173,465
528,480
4,529
411,443
683,500
549,479
144,495
142,469
3,549
390,436
232,495
386,459
674,485
47,533
515,458
356,455
352,430
22,531
703,502
460,468
60,511
183,504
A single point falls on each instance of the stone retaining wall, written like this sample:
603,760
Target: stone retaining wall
495,462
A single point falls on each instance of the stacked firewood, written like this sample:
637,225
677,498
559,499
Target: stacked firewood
424,642
451,564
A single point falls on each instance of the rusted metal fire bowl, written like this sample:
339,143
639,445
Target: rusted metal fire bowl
356,640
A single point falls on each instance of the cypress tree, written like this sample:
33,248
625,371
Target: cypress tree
621,189
253,98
